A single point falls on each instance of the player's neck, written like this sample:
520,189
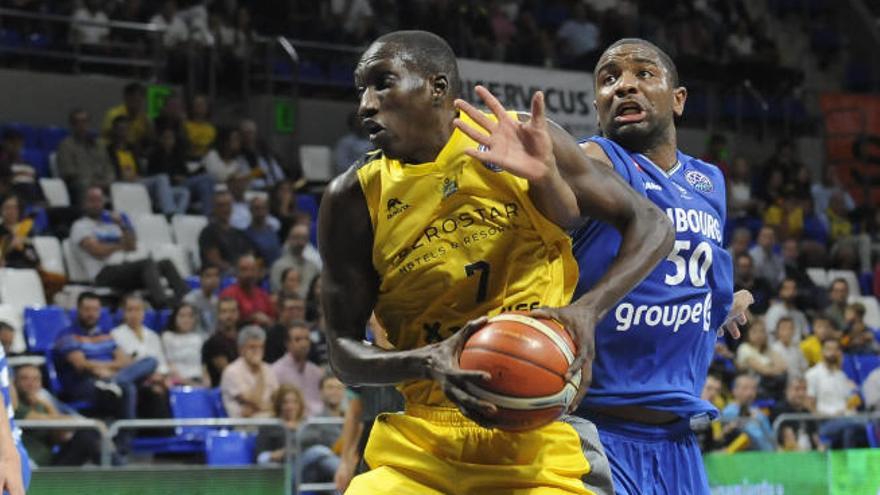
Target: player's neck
435,140
664,151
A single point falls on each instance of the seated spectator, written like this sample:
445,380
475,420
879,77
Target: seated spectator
167,160
858,338
786,215
756,357
784,307
204,299
803,434
352,146
332,397
317,461
17,248
169,200
94,369
237,185
7,337
785,346
139,342
831,393
139,130
294,368
254,304
290,283
50,447
740,200
745,279
282,204
578,38
840,228
91,11
16,175
740,241
768,264
99,240
176,32
261,234
222,347
838,295
293,256
199,129
291,309
225,160
831,184
265,172
81,162
742,417
808,293
172,116
220,243
823,329
183,342
248,383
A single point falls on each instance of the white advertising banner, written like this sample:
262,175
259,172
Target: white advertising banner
568,95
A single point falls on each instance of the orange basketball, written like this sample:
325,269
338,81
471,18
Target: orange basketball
527,358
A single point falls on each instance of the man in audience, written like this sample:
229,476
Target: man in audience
204,298
858,338
7,337
768,264
220,243
808,293
294,368
265,172
293,257
838,295
805,433
332,397
823,329
740,241
101,238
237,185
784,307
352,146
291,309
745,279
140,130
222,347
262,235
81,162
789,349
254,304
742,416
830,393
248,383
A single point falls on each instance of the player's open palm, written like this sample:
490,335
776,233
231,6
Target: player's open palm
521,148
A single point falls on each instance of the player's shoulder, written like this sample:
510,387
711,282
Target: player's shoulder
702,166
703,175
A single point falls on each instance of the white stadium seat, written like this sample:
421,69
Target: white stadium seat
14,316
851,279
55,191
76,272
151,230
819,276
175,253
317,163
49,250
186,232
21,287
130,198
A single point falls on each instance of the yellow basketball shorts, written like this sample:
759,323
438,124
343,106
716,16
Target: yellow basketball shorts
432,451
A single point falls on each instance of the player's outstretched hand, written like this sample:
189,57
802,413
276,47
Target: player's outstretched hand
522,148
580,321
738,315
444,369
10,473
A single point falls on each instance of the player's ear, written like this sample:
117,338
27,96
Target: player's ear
679,96
440,88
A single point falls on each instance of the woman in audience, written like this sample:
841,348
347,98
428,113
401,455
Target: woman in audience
225,159
317,460
183,341
756,357
17,249
290,284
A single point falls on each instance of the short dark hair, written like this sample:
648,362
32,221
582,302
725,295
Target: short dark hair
784,319
208,266
327,376
86,295
429,54
6,326
224,299
665,59
296,324
134,88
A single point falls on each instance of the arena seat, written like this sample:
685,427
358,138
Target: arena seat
151,229
21,287
13,315
51,137
848,366
49,250
317,163
229,448
27,131
55,191
42,326
175,253
872,310
55,382
76,272
851,279
37,158
819,276
130,198
864,364
186,232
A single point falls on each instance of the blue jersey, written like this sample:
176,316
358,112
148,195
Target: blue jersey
654,348
4,388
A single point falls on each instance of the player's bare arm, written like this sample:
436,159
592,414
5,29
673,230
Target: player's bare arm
350,288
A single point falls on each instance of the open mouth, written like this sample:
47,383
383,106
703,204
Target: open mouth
372,128
629,112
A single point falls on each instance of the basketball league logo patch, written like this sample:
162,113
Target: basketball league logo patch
491,166
699,181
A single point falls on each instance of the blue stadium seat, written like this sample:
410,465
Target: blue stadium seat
37,158
871,431
158,319
10,38
307,203
849,367
194,282
42,326
28,132
190,402
229,448
55,382
226,282
864,365
51,137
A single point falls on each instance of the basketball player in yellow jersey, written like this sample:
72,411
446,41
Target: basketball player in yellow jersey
432,239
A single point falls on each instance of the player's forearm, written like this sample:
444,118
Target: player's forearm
356,363
555,199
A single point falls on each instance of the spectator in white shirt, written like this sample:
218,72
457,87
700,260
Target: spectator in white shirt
176,30
828,388
183,346
90,34
248,383
786,347
756,357
784,307
225,160
769,265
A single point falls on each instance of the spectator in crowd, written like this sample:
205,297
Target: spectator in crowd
578,38
352,146
711,438
248,383
174,150
756,357
94,369
7,337
199,129
221,244
176,32
858,338
294,368
183,342
254,304
332,397
173,116
222,347
831,393
100,239
265,172
741,416
354,16
204,298
90,11
830,184
840,227
17,248
808,293
81,162
740,201
237,185
740,44
283,205
139,130
139,342
838,294
50,447
167,161
784,306
740,241
294,257
823,329
871,390
745,279
224,160
291,309
803,434
291,284
129,168
785,346
768,264
16,174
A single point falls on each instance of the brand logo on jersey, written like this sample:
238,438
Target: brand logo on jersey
683,192
491,166
450,186
395,207
699,181
652,186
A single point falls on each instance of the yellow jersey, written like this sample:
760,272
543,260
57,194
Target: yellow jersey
455,239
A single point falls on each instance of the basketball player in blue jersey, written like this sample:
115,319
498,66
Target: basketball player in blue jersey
15,472
654,348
